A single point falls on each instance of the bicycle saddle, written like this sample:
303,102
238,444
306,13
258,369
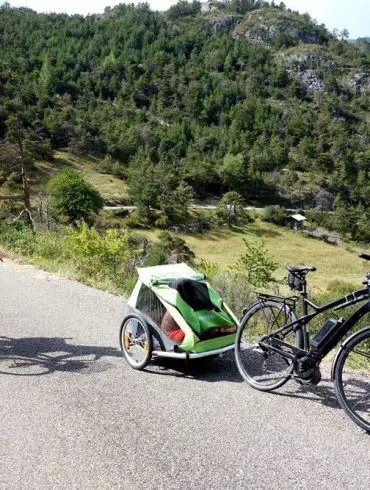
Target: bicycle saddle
300,269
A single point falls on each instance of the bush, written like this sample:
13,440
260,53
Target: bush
18,236
113,167
106,259
210,269
174,205
350,222
111,253
72,198
235,291
138,219
255,265
172,250
230,210
276,215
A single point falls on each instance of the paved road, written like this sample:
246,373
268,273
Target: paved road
75,416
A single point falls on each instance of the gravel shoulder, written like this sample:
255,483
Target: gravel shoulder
74,415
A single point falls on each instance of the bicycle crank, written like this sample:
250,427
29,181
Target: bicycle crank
311,375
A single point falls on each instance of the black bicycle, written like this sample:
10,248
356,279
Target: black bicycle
273,344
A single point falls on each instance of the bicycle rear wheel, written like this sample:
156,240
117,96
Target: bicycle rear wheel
264,369
352,383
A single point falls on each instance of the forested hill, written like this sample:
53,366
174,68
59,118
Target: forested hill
240,95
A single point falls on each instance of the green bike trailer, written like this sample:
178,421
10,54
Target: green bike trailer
175,294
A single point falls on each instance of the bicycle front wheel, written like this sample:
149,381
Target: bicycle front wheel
262,368
352,373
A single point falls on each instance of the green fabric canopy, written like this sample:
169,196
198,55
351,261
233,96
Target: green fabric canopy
159,278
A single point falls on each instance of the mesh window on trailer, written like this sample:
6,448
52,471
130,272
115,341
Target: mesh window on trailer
148,303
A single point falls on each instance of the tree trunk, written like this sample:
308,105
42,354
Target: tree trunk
25,184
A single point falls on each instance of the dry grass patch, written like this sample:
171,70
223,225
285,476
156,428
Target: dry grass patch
224,246
109,186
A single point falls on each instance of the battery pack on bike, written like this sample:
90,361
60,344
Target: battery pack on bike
325,336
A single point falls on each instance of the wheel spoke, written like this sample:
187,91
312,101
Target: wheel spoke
352,382
261,367
136,342
361,353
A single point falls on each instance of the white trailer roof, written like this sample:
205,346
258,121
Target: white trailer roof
168,271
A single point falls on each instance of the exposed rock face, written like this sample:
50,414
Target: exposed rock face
310,81
212,5
267,25
357,82
306,60
221,22
303,65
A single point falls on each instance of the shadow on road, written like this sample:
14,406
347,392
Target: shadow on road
210,369
35,356
356,390
216,369
322,393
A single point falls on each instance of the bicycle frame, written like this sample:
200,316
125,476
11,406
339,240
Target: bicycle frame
303,321
273,345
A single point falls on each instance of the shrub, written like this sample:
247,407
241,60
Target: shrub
111,251
18,236
162,221
172,250
210,269
73,198
255,265
230,210
138,219
174,205
107,259
276,215
235,291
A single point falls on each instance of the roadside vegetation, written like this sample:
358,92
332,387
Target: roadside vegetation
245,104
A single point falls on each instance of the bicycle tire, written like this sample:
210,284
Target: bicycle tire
136,341
351,378
253,363
15,365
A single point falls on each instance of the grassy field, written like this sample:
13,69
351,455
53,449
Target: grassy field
224,246
110,187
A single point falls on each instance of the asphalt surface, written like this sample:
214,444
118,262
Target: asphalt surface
74,415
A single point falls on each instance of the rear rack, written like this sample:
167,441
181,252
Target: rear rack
286,300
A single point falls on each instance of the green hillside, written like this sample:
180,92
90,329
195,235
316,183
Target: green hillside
241,95
113,189
223,246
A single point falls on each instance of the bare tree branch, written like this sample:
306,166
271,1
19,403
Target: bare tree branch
25,210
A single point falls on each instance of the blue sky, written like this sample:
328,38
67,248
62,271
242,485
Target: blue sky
353,15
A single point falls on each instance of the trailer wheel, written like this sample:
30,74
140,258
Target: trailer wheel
136,341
